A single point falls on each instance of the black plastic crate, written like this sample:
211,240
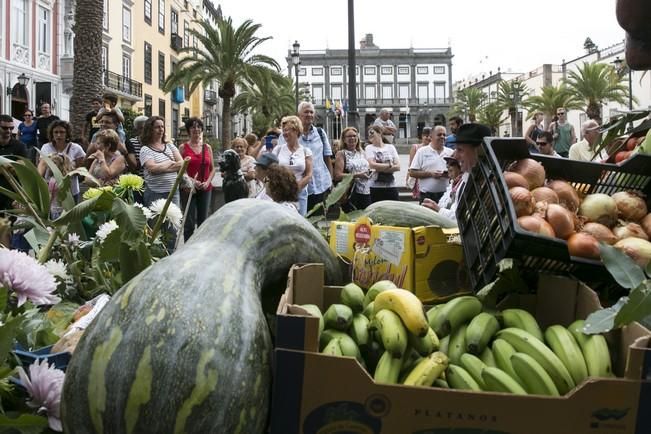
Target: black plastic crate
488,224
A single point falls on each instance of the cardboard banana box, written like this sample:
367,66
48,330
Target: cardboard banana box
314,393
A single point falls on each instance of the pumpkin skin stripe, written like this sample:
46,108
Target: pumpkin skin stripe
97,382
140,390
203,298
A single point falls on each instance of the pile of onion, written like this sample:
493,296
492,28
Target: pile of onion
537,225
638,249
532,170
515,180
544,194
630,206
567,195
583,245
600,232
628,230
646,225
522,201
561,220
599,208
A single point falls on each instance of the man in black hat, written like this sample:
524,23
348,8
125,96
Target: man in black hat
468,139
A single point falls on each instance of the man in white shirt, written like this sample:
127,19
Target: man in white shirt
388,127
583,150
469,138
430,168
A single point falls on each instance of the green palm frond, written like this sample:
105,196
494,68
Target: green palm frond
551,99
467,102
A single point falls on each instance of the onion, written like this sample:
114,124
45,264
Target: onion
600,232
544,194
567,195
540,209
561,220
646,224
583,245
533,171
515,180
537,225
599,208
630,206
522,201
638,249
628,230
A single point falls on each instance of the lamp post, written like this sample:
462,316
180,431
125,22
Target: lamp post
296,60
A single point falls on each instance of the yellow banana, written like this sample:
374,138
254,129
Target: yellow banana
533,377
497,380
392,332
427,370
520,318
376,288
563,344
459,378
407,306
595,351
455,312
425,345
368,310
352,296
480,331
387,369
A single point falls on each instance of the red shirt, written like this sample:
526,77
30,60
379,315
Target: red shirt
195,162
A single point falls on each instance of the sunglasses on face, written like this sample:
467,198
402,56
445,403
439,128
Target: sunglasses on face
6,127
542,143
560,113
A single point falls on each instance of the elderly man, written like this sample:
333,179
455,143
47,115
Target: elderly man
584,150
133,145
468,139
316,140
388,127
429,166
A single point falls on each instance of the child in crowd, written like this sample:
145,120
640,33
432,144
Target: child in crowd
110,101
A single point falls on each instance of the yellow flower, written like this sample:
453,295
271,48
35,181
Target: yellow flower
131,182
94,192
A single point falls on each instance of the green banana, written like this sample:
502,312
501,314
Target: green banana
474,366
497,380
333,348
533,377
563,344
441,384
376,288
387,369
444,344
525,342
359,330
425,345
454,313
480,331
520,318
457,345
392,331
488,357
368,310
431,313
459,378
352,296
595,351
314,310
410,360
427,370
372,354
348,346
502,351
338,317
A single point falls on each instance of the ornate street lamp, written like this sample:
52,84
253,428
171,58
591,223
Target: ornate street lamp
296,60
23,79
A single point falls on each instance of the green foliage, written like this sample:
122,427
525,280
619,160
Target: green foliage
467,103
510,95
551,99
491,115
129,116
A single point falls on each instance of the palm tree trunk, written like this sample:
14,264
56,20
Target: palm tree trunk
514,123
227,134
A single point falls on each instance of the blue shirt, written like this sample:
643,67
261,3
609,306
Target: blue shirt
321,179
28,133
451,141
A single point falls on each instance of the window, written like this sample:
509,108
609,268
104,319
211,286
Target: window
126,65
422,70
439,90
186,33
369,91
161,69
148,12
174,22
161,108
126,25
386,70
369,70
336,70
439,70
423,91
403,70
148,103
403,90
387,91
161,16
302,71
148,60
317,71
335,92
43,30
105,16
19,22
105,65
317,94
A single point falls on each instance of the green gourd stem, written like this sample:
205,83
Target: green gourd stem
161,216
44,254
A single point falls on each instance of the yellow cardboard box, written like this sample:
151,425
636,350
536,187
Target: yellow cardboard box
424,260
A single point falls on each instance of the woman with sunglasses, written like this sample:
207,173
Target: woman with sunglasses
296,157
384,161
351,159
27,132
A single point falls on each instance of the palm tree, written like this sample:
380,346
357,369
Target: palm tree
509,97
224,54
551,99
491,116
467,103
595,84
87,64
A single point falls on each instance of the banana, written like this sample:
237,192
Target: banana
376,288
347,344
372,354
431,313
368,310
359,330
455,312
387,369
480,331
441,384
595,351
525,342
410,360
425,345
333,348
520,318
563,344
427,370
407,306
502,351
488,357
533,377
474,366
352,296
497,380
459,378
392,332
314,310
444,344
457,345
338,317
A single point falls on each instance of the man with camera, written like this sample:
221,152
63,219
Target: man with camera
430,168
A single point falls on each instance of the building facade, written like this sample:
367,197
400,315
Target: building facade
414,84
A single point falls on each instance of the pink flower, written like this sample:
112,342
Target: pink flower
44,385
27,278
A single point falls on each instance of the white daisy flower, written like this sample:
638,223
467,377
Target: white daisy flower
146,211
174,214
57,268
105,229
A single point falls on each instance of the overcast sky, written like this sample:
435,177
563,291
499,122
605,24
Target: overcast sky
512,34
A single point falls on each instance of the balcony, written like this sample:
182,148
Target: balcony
176,42
123,86
209,96
394,102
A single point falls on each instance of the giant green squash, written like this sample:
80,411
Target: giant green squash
184,346
405,214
